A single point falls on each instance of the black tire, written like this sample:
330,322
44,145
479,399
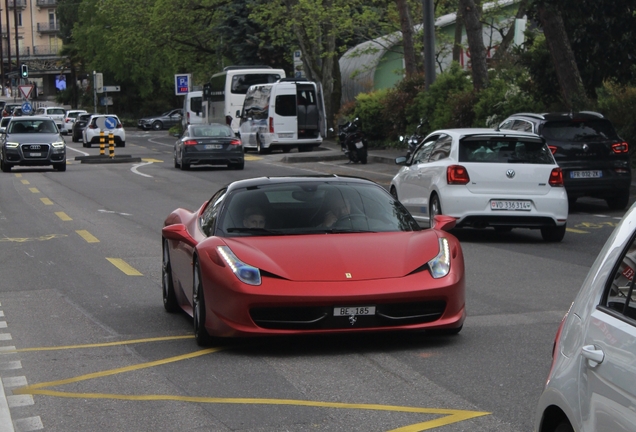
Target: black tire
434,209
169,296
305,149
74,139
553,234
5,167
60,166
85,144
619,201
184,166
363,156
176,164
394,193
564,426
157,125
287,149
201,335
259,148
237,166
503,229
121,144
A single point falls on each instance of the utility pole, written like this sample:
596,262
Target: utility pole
6,9
17,46
2,76
429,42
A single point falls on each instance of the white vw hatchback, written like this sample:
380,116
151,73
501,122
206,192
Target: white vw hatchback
484,178
591,386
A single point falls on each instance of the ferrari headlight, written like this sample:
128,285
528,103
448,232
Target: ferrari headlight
58,144
245,272
12,144
440,265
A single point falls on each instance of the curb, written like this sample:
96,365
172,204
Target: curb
105,159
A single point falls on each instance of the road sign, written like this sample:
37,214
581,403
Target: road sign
111,89
26,90
182,84
27,108
110,122
99,82
105,101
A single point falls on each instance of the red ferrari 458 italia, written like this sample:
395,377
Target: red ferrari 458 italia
294,255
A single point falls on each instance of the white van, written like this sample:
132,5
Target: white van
228,90
193,109
284,115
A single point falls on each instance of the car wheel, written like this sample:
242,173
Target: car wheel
60,166
553,234
176,164
434,209
305,149
259,148
286,149
237,166
201,335
620,201
169,297
503,229
394,193
74,138
184,166
121,144
5,166
564,426
157,125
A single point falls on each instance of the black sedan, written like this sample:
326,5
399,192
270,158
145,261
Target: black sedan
80,123
32,141
162,121
213,144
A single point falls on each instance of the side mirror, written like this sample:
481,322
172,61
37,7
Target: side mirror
400,160
178,232
444,223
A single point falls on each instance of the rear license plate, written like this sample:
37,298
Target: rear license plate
35,154
355,310
586,174
510,205
213,146
286,135
359,144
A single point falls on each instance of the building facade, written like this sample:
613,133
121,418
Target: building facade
30,35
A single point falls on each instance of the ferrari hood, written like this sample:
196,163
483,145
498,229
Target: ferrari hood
337,257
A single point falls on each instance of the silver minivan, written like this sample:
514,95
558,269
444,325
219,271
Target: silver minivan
284,115
591,386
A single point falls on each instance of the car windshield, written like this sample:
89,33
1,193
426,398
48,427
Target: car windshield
32,126
313,208
212,131
573,130
56,111
502,150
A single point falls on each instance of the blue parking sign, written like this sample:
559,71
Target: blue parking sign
182,83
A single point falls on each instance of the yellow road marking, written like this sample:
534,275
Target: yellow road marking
252,158
572,230
151,160
25,182
449,416
63,216
18,175
34,190
46,201
27,239
124,266
104,344
90,238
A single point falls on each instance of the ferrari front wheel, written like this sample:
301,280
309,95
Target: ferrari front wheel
201,335
169,297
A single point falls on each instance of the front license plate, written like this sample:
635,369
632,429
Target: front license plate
510,205
359,144
213,146
352,311
586,174
35,154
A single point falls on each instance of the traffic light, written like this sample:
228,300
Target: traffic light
24,71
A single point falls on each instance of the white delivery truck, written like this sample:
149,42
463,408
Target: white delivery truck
284,115
193,109
228,90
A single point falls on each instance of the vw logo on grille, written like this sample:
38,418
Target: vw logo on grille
35,147
586,147
510,173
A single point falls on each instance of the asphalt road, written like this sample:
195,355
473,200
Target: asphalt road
86,344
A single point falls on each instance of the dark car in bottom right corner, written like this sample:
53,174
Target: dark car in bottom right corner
594,159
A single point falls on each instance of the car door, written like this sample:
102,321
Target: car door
607,383
410,192
433,173
174,118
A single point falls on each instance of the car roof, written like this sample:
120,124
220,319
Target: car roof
555,116
31,118
266,181
464,132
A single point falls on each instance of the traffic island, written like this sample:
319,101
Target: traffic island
106,159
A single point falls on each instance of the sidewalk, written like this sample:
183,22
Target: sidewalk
330,150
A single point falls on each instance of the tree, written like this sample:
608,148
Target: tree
471,14
406,24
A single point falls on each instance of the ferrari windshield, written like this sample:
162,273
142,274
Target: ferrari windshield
312,208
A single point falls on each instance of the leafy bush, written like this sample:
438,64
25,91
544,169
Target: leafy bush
397,101
370,110
618,103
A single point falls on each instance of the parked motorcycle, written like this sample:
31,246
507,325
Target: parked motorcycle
416,138
352,142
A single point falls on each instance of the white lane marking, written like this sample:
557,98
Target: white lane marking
12,382
113,212
134,169
6,423
3,324
15,401
79,151
161,144
11,365
7,348
28,424
5,336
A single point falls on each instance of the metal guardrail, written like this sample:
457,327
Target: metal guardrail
48,27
